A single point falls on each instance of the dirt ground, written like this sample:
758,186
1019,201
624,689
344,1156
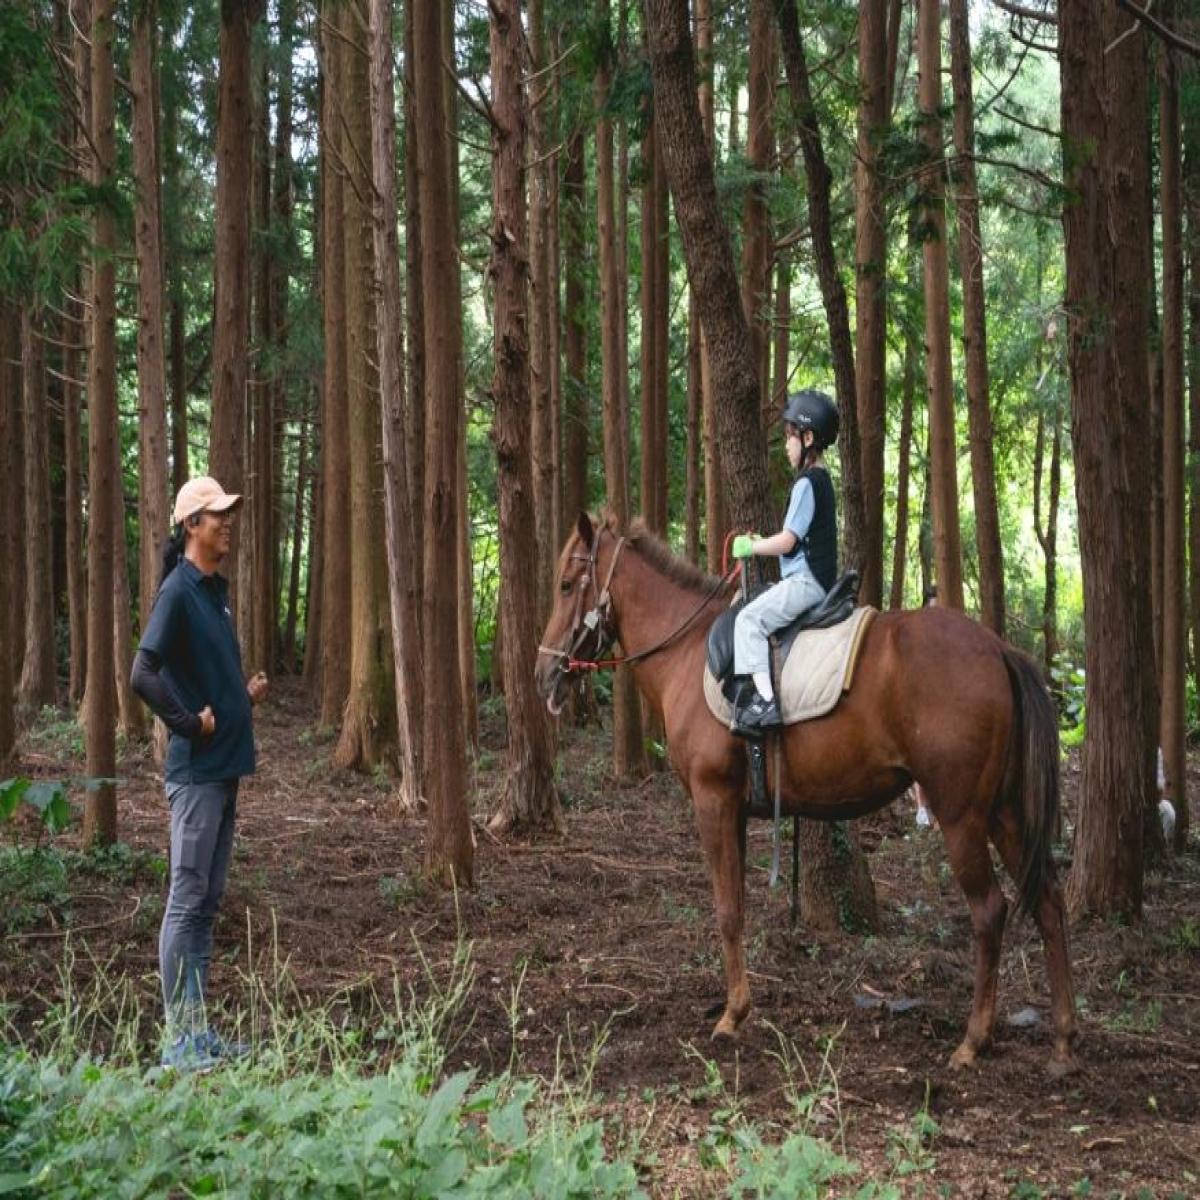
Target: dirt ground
610,936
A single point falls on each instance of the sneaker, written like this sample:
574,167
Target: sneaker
219,1048
757,717
190,1053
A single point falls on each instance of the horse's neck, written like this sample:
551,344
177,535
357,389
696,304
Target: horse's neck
650,609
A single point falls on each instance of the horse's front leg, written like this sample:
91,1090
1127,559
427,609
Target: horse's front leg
719,822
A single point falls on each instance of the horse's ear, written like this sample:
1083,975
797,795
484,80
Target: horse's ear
585,529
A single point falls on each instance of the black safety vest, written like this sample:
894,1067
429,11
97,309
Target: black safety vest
820,546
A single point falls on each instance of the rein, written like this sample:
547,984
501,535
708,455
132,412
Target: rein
597,620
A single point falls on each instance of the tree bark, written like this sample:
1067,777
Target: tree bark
404,599
539,313
715,519
970,255
575,412
908,389
335,435
870,273
628,753
529,802
293,593
449,851
231,287
1191,166
943,470
368,736
695,427
100,804
818,182
153,506
711,270
37,674
1047,532
10,412
1174,643
1104,116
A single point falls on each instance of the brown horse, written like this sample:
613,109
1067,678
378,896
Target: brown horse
936,698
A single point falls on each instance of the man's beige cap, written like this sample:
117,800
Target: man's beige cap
203,495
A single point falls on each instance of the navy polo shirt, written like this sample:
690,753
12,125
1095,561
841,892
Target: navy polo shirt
191,631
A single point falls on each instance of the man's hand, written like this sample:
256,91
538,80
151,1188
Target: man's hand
743,545
208,722
257,687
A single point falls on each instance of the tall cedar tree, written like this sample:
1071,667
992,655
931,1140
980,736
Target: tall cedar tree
1105,92
9,410
368,734
575,399
628,753
970,258
449,853
231,284
1191,168
864,545
153,507
404,599
1174,644
837,886
715,520
100,805
529,802
74,453
37,674
544,455
943,444
335,434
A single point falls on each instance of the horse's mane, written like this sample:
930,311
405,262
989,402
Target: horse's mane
660,556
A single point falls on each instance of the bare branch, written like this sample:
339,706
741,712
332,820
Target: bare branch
1168,35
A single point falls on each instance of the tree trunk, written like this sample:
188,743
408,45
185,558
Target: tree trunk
1104,111
10,550
818,182
368,736
943,471
404,600
904,464
756,233
539,314
173,273
131,720
970,254
870,259
529,802
258,510
1191,166
709,257
653,482
414,412
37,674
335,434
554,329
628,752
575,414
1174,643
695,418
153,506
715,519
100,804
1047,533
231,287
293,593
450,851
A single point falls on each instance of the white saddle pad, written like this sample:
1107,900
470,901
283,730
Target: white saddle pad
819,668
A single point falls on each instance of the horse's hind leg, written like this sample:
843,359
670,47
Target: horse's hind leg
722,836
1052,924
967,848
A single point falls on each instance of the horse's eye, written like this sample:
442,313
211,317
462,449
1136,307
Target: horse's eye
565,586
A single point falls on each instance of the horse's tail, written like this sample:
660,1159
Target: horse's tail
1035,740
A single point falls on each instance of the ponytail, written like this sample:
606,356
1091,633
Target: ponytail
172,553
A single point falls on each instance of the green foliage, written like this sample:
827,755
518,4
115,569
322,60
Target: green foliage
48,799
33,883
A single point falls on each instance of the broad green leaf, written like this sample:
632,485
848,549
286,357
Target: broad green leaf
11,791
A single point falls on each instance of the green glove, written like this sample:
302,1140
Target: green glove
743,545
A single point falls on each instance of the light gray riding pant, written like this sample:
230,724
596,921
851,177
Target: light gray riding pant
202,816
778,606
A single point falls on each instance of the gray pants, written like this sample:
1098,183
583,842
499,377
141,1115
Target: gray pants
776,607
202,816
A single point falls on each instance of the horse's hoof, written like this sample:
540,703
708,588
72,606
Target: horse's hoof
725,1033
1061,1066
964,1056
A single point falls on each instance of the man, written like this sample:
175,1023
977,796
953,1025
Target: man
188,669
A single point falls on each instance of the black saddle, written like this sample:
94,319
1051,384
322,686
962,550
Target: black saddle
838,606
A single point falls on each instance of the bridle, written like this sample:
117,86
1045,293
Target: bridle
597,623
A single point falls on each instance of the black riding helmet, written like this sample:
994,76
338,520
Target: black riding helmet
813,410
